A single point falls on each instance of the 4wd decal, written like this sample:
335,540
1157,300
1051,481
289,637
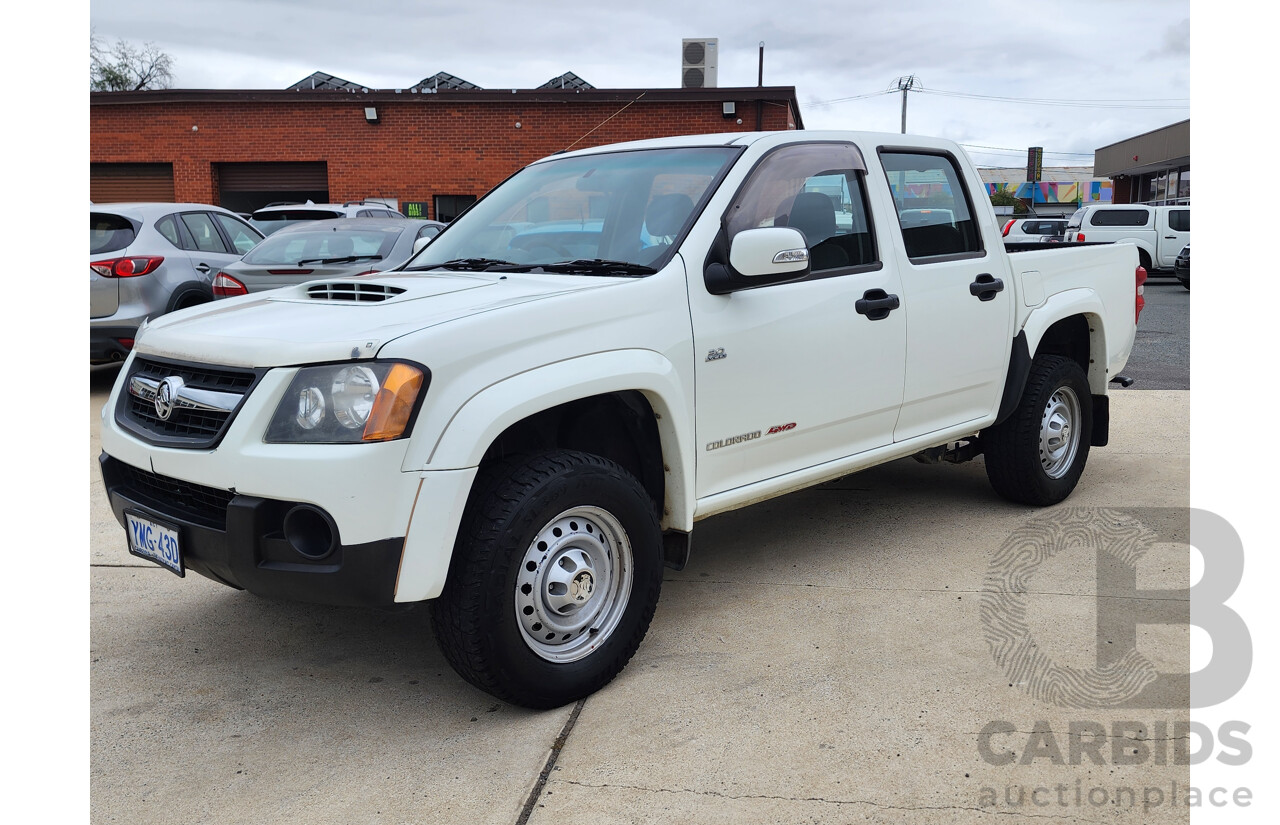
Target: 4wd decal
781,428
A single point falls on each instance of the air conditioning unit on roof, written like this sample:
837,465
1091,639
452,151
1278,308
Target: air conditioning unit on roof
698,63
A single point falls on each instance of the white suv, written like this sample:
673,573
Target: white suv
1034,229
279,215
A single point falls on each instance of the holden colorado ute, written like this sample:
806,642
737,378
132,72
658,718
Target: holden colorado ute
524,423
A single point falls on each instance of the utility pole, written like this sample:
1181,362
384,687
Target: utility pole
904,85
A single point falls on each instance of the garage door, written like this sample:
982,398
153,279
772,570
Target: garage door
245,187
124,182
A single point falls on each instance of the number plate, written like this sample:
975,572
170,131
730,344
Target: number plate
154,542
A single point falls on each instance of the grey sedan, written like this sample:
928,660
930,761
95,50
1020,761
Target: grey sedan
325,249
146,259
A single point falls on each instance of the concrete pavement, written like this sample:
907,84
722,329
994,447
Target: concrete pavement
823,658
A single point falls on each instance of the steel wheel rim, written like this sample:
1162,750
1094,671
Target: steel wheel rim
573,584
1060,432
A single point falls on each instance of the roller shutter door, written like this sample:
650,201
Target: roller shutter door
268,177
124,182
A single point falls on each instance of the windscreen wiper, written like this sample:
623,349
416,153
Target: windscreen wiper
599,266
477,265
346,259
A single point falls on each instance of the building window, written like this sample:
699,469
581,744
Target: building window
448,207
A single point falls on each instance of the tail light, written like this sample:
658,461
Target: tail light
1140,278
224,286
127,267
1005,232
1080,237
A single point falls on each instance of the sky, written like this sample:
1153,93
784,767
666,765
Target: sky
994,75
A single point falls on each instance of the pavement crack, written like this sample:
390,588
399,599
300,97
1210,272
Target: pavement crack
536,793
928,590
823,801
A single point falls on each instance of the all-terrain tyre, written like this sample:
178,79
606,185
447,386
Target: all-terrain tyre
554,579
1036,455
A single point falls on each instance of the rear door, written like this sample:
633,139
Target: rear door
957,300
205,245
1174,234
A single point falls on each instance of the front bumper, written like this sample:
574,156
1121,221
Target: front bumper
240,541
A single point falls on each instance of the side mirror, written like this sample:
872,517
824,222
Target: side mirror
420,243
760,257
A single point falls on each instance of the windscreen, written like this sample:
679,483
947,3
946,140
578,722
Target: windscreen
630,207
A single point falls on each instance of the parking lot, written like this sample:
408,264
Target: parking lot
824,657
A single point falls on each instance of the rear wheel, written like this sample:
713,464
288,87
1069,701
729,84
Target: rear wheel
554,579
1037,454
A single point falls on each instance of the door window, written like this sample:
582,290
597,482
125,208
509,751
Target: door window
242,237
1180,220
203,232
934,212
818,189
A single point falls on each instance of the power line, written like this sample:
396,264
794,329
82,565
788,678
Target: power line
1078,104
998,149
913,84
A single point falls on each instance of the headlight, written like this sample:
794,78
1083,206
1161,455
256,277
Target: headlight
348,403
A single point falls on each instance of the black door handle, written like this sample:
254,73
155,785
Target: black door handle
876,304
202,268
986,287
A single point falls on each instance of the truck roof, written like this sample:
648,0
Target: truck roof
770,139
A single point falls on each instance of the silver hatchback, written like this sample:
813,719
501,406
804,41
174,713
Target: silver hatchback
146,259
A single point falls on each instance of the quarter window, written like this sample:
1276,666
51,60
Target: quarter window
933,206
167,227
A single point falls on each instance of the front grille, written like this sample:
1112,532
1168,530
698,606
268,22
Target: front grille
185,427
180,500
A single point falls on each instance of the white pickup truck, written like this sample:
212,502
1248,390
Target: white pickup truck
1159,232
525,422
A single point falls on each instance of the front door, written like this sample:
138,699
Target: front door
792,375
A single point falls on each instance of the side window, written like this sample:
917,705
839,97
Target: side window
1120,217
818,189
202,230
933,206
242,237
167,227
1180,220
428,231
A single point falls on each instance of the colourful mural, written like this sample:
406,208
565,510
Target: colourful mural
1096,191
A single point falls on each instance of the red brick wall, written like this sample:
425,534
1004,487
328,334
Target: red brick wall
422,146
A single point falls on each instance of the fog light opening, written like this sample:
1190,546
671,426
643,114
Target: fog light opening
310,531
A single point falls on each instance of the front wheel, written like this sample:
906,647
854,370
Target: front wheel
554,579
1037,454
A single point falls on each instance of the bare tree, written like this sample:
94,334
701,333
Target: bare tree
123,67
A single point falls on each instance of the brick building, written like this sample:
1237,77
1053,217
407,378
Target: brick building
428,152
